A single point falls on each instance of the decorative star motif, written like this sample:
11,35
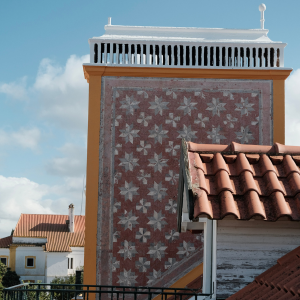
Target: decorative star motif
187,106
158,162
143,177
158,105
245,136
129,133
230,121
143,147
244,107
127,278
172,149
142,264
216,107
127,250
157,221
128,221
201,120
215,135
172,120
129,190
173,235
130,105
157,251
157,192
171,177
153,276
143,119
185,249
129,162
158,134
142,235
171,207
187,133
143,206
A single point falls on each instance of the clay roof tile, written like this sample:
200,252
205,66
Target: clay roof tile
247,181
281,281
54,228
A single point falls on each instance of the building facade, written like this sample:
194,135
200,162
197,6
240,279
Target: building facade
43,247
149,87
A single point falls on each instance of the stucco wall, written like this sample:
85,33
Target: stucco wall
142,123
246,249
78,258
57,264
38,252
5,252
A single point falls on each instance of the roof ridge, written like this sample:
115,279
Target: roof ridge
235,148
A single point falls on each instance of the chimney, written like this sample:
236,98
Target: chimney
71,217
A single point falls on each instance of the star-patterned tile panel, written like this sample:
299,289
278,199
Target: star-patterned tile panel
143,122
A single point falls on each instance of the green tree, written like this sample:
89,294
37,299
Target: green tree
2,270
33,295
2,273
10,278
71,279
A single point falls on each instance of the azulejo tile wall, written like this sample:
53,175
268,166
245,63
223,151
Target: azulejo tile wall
142,123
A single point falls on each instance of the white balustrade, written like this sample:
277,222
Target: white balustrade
190,55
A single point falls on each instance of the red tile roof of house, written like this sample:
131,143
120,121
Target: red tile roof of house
280,282
5,242
246,181
54,228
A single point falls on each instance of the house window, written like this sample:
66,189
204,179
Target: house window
3,260
70,263
30,262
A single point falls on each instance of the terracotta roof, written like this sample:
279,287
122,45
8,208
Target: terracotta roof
280,282
54,228
5,242
245,181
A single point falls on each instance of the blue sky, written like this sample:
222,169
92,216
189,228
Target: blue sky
43,95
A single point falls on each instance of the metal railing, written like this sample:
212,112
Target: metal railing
35,291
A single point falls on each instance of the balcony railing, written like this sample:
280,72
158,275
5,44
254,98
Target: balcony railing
185,55
35,291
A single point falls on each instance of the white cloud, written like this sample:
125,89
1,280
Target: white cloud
15,89
63,93
292,100
26,138
72,164
20,195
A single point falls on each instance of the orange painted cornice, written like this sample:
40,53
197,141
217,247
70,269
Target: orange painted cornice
269,74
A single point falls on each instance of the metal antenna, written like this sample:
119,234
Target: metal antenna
82,193
262,8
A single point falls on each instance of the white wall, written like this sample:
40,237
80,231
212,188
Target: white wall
78,258
57,265
38,272
5,252
246,249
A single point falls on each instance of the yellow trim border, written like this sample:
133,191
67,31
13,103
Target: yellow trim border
34,262
185,280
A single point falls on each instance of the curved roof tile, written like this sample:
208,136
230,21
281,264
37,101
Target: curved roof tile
246,181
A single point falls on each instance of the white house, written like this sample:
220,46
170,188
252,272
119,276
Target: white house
45,246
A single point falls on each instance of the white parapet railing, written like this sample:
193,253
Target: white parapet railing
186,55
